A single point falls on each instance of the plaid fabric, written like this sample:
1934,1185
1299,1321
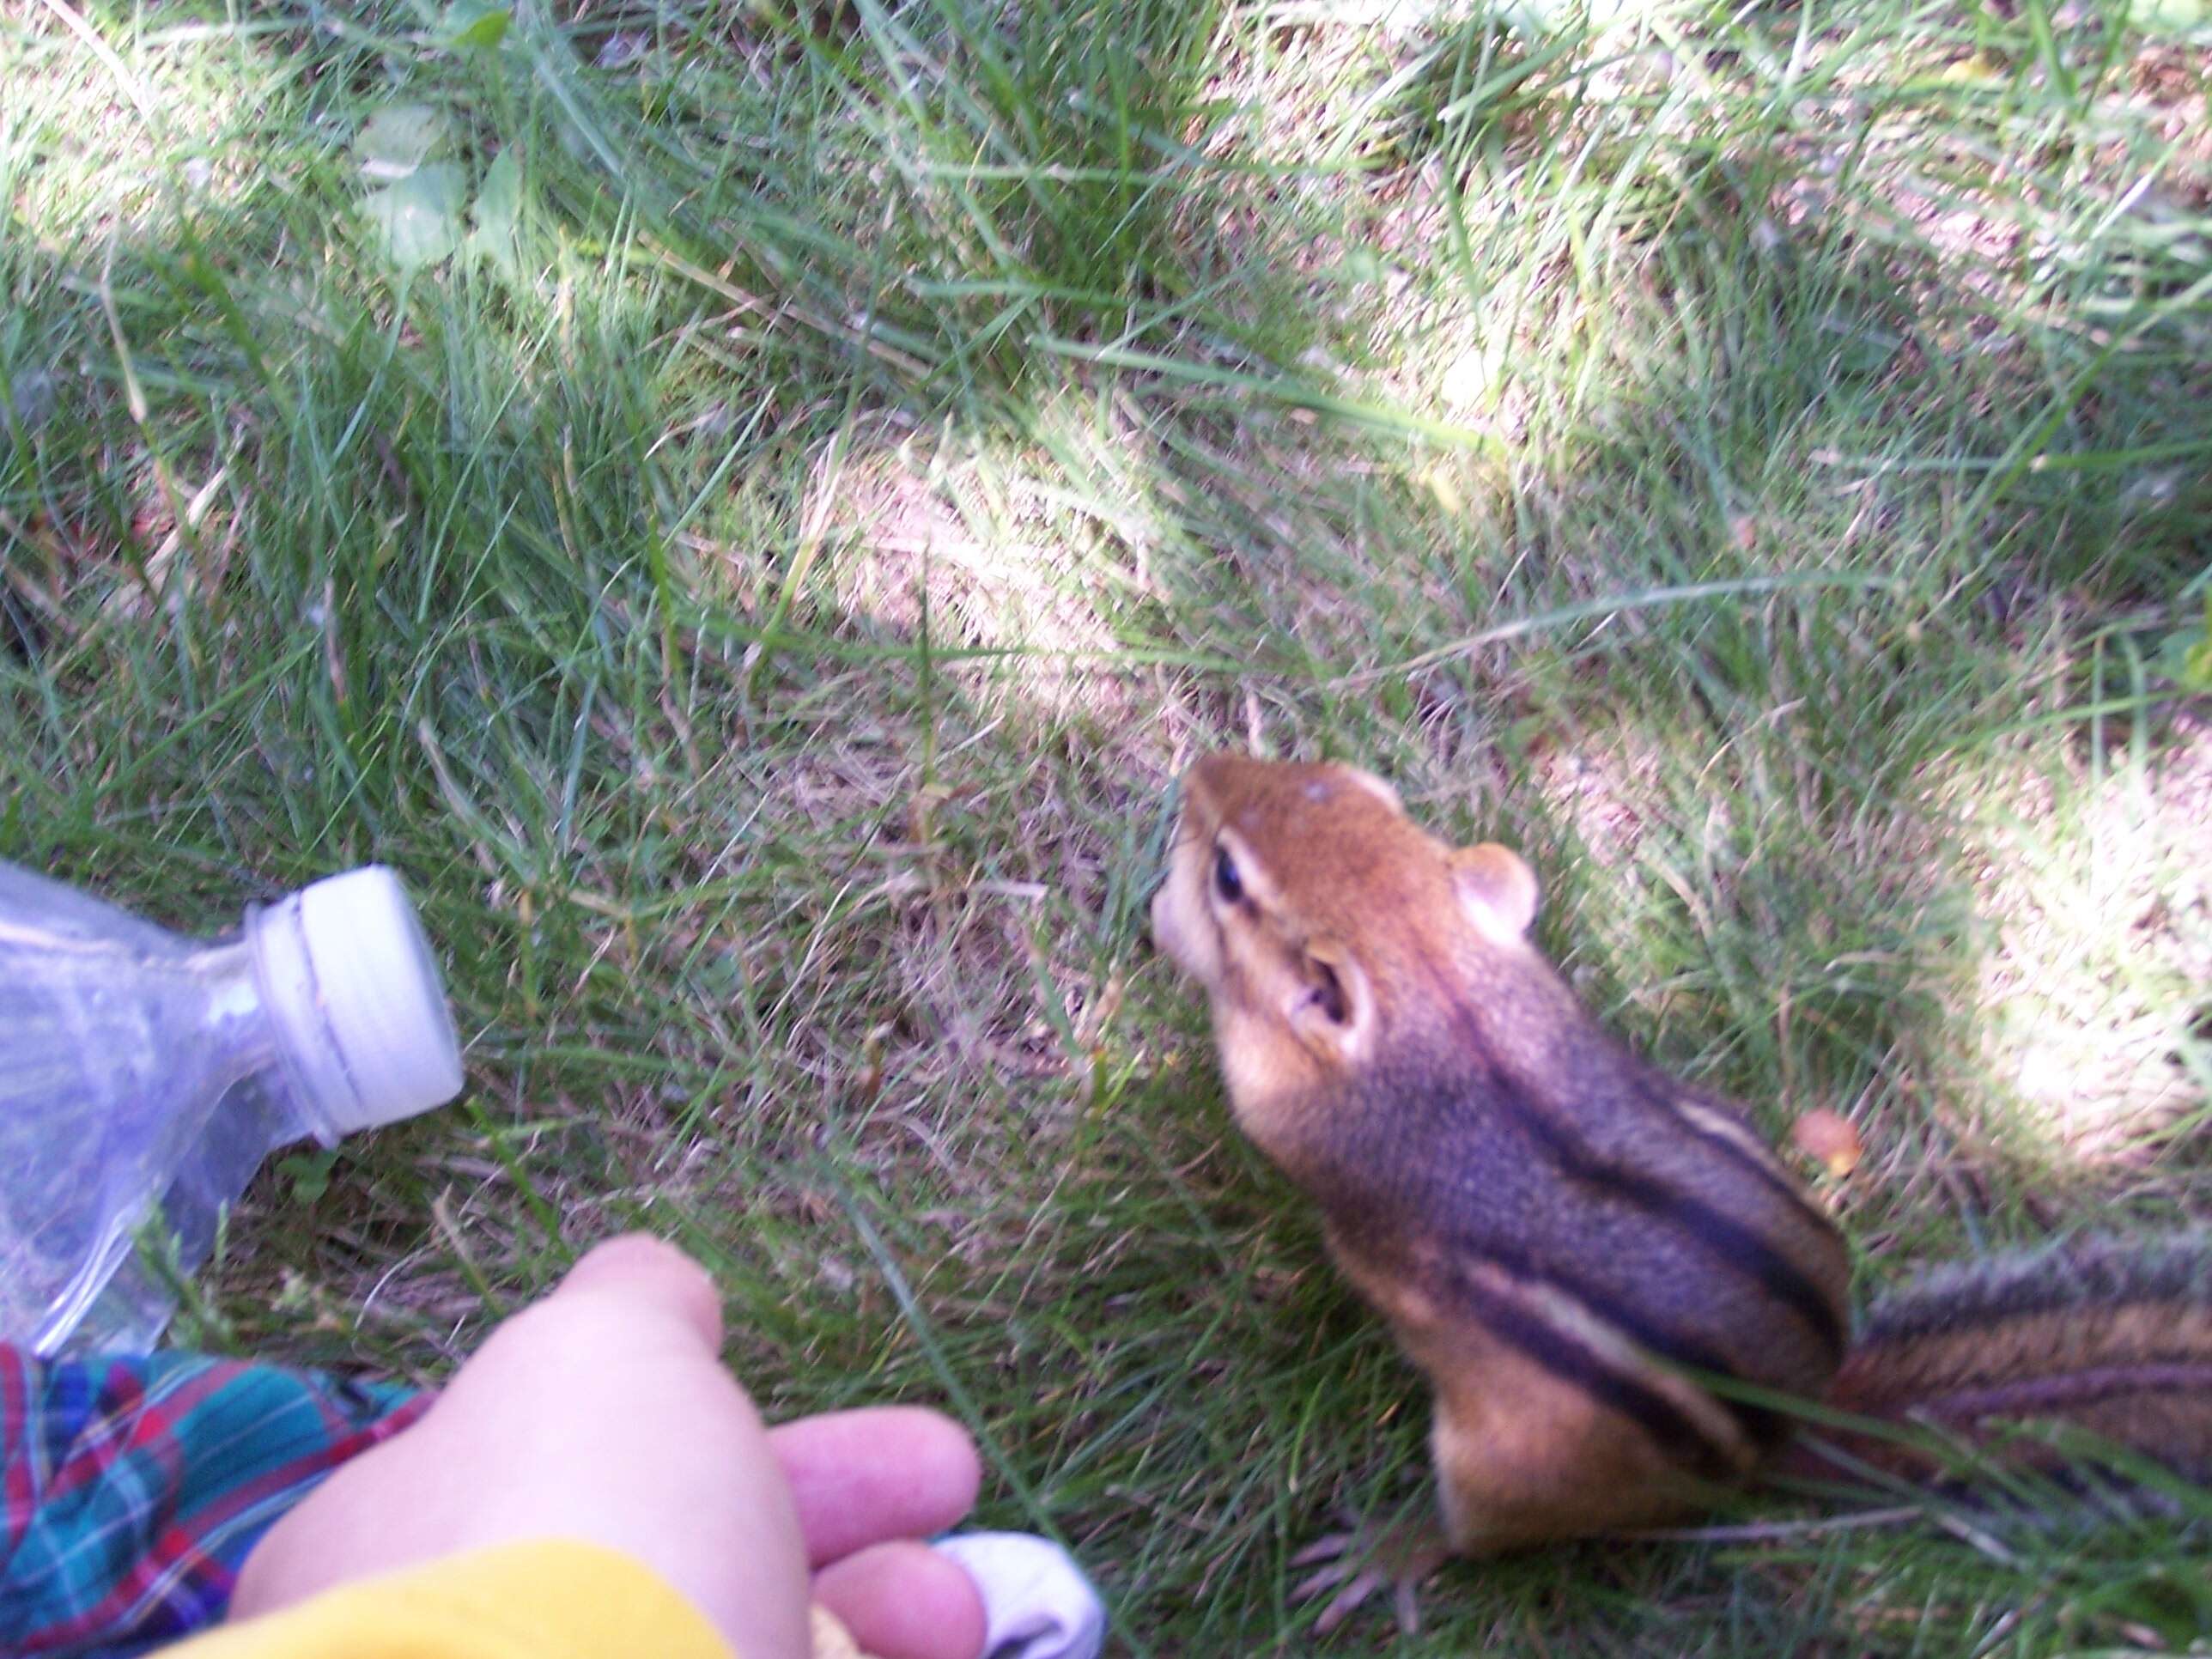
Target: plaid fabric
132,1487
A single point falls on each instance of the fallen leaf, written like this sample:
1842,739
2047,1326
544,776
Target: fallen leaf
420,216
1829,1137
399,140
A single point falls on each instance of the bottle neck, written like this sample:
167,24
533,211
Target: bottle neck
238,1024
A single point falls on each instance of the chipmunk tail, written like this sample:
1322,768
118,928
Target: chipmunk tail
2109,1336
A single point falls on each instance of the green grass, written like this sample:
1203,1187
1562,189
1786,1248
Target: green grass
760,592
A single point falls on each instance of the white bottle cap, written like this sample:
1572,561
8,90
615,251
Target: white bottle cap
350,983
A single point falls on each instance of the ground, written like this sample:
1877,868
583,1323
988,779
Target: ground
750,509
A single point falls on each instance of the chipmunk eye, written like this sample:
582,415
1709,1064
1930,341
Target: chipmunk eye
1226,881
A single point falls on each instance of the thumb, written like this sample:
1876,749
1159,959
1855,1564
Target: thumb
640,1271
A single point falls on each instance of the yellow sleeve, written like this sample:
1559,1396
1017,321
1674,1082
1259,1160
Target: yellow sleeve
552,1600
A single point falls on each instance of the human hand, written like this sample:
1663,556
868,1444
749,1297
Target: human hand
603,1412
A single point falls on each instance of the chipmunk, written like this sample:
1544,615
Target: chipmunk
1561,1236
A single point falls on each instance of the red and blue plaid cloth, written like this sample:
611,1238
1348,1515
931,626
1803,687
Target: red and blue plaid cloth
132,1487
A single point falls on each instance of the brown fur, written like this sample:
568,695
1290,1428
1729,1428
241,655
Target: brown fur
2112,1337
1554,1228
1509,1186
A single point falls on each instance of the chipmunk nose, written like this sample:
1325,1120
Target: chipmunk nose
1169,937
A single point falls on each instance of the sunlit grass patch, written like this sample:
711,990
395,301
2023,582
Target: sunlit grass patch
756,547
2098,952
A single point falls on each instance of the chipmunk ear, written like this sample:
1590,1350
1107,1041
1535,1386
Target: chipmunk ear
1332,1008
1375,786
1497,889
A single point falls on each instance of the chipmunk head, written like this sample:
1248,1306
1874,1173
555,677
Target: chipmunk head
1317,915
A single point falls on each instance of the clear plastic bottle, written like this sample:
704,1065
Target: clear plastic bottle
144,1077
